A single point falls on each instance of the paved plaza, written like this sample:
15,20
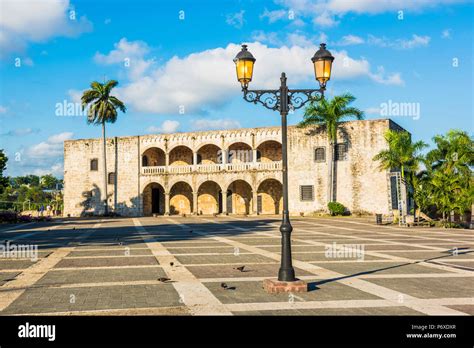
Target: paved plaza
188,266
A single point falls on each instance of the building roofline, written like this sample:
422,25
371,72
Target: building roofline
229,130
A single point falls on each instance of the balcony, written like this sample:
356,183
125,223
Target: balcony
212,168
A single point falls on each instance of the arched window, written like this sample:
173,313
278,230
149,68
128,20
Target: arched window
259,156
145,161
111,178
94,164
320,154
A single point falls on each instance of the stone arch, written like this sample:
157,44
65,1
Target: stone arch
153,199
240,199
181,155
209,154
153,156
181,198
209,194
270,196
269,151
239,152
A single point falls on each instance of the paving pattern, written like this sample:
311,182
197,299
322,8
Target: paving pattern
177,266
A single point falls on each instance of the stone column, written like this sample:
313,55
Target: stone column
167,203
224,156
224,202
254,202
167,160
195,158
254,155
195,202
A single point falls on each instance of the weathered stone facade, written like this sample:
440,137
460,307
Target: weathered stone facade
233,171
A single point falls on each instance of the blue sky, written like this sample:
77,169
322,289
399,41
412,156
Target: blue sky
173,60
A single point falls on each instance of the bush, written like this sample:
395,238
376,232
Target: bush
336,208
8,216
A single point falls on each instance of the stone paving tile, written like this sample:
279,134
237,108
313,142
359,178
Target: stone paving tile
252,291
226,271
6,264
239,259
100,275
6,276
429,287
440,255
294,248
111,252
193,243
113,261
468,309
228,249
396,267
469,264
323,257
335,311
38,300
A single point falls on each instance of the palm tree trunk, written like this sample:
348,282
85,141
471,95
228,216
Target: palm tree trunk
330,171
106,205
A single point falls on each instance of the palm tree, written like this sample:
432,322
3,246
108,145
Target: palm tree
451,162
404,155
102,108
330,114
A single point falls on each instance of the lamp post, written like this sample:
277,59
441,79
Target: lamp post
284,100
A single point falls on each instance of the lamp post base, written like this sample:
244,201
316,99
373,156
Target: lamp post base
275,286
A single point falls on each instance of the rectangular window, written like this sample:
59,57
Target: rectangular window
341,152
307,193
94,164
320,154
111,178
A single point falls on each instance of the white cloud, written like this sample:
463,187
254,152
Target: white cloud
37,21
349,40
391,79
206,80
446,34
75,95
168,126
19,132
327,13
57,170
377,6
130,54
236,19
413,42
51,148
372,111
325,19
3,109
205,124
273,16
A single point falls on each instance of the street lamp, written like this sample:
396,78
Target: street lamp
284,100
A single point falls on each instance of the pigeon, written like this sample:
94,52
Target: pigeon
171,264
241,268
164,280
226,287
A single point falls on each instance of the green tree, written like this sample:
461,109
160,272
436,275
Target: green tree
48,181
402,154
3,166
330,114
102,109
451,162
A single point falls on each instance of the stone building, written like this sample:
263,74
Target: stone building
230,171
